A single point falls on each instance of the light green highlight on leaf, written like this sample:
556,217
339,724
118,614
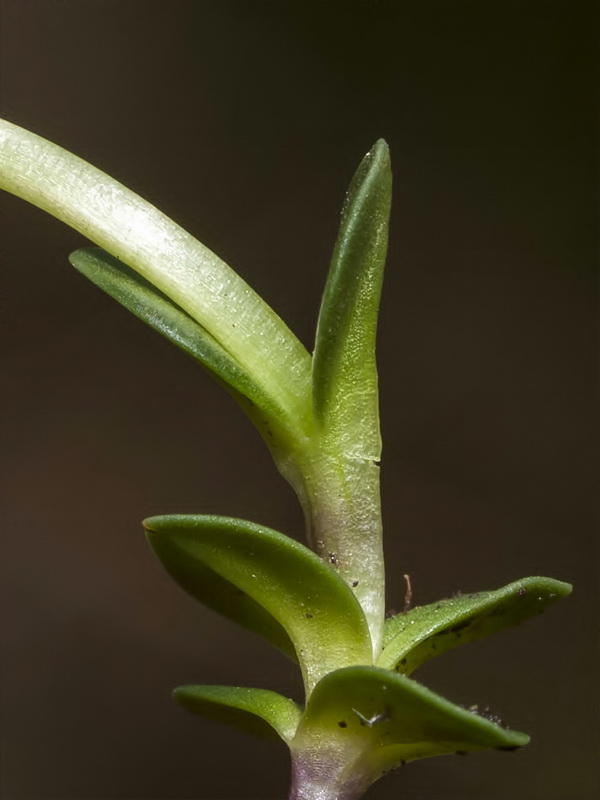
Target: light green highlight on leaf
412,638
225,597
186,271
344,370
304,595
341,494
258,711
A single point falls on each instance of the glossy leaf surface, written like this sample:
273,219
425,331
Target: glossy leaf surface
303,594
257,711
194,277
344,369
414,637
386,719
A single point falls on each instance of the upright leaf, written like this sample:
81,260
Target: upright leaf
344,370
341,494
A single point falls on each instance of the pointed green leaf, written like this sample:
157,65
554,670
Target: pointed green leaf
341,482
257,711
207,586
300,591
163,315
344,370
381,719
414,637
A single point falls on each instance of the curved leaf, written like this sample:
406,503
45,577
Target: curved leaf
257,711
300,591
196,279
414,637
163,315
216,592
381,719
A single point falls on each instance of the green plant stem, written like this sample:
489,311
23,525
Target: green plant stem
325,774
341,501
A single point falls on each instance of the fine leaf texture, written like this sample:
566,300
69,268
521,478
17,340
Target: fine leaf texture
344,370
257,711
318,611
395,718
130,228
414,637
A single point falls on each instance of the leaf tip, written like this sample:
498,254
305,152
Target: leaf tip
380,149
563,589
151,526
179,695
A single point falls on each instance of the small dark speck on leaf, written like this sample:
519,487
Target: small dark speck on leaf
460,626
403,661
309,616
354,583
342,724
522,592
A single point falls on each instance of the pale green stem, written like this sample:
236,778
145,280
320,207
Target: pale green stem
341,501
328,773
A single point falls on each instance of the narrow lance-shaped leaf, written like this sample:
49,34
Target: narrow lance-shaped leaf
379,719
131,229
414,637
163,315
341,491
344,370
258,711
304,595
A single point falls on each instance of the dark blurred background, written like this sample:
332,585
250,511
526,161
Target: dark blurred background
244,121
